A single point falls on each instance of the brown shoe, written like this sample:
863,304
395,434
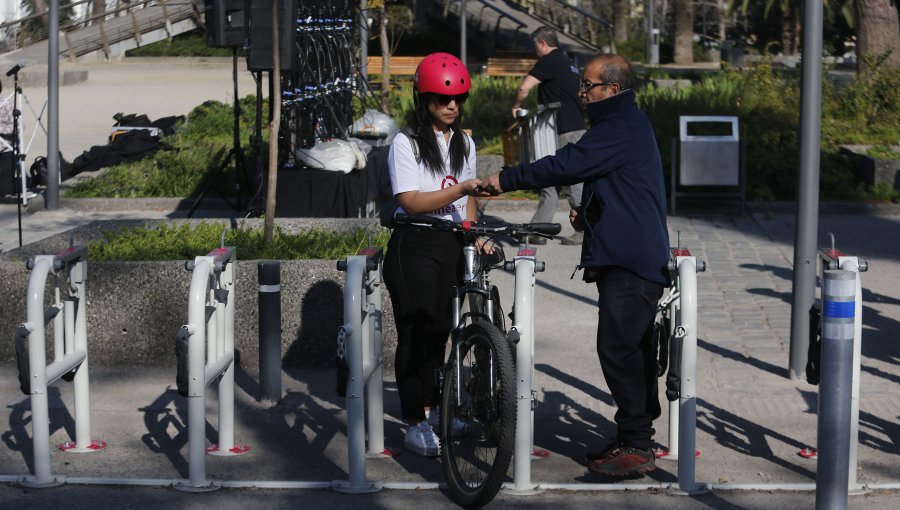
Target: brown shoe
623,460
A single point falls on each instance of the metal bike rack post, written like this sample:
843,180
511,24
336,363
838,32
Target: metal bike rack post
683,411
359,341
526,265
838,318
836,259
210,327
70,355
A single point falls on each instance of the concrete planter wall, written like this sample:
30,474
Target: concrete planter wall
135,308
873,171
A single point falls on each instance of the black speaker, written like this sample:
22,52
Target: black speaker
225,23
259,35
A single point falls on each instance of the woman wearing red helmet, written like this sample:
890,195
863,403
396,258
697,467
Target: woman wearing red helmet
432,169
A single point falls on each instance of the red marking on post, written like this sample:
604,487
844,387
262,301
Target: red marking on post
368,252
217,252
539,453
808,453
834,254
237,449
681,252
526,252
95,445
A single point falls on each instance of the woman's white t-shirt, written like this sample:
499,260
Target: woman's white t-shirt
409,175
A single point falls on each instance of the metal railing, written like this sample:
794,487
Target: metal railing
571,20
19,34
205,352
359,346
70,355
481,20
532,137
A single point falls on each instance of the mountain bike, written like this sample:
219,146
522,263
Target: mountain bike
478,402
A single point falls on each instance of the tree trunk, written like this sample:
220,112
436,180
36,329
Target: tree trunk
620,19
684,31
385,61
274,127
878,26
723,20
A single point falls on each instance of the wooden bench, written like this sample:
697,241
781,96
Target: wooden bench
509,66
397,65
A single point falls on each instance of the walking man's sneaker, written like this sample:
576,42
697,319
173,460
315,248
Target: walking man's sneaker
622,460
573,240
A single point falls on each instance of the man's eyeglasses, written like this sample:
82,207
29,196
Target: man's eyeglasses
444,99
588,85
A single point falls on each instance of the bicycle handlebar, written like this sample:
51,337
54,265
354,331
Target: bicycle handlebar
511,229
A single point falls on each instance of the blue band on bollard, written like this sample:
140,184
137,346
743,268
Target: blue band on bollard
839,309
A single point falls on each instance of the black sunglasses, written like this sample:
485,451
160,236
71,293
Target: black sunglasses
444,99
588,85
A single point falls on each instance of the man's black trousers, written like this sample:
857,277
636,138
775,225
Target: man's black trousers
627,307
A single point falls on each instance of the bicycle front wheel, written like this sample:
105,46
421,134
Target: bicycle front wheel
478,415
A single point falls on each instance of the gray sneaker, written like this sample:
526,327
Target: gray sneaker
573,240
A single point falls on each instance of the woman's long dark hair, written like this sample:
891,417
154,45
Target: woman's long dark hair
422,128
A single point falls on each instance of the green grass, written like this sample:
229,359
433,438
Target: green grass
189,44
883,152
188,160
186,241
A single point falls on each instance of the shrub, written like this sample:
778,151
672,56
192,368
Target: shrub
185,241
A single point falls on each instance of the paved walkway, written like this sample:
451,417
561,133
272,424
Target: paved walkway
752,419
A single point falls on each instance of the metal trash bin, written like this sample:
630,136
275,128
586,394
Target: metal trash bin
705,159
732,53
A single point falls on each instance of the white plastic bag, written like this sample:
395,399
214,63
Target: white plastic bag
373,122
337,155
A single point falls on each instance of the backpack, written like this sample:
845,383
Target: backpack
387,202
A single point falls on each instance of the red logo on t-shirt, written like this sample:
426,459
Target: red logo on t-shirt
448,181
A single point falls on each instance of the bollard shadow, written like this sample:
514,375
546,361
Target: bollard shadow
736,356
17,438
314,345
744,436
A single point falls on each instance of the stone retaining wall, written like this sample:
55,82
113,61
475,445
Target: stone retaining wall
134,310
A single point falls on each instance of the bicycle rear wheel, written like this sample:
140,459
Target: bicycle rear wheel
479,399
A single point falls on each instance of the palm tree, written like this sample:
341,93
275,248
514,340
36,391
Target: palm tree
684,31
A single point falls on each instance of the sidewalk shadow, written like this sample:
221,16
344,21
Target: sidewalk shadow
744,436
17,438
159,418
736,356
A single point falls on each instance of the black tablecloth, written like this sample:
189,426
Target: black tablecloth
311,193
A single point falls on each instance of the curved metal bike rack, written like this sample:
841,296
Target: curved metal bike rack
359,344
70,356
210,326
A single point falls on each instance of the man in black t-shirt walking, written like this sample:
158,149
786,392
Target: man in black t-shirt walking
557,81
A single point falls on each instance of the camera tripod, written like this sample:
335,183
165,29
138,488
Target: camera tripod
15,142
236,153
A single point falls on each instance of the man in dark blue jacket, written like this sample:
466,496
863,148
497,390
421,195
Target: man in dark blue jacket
625,249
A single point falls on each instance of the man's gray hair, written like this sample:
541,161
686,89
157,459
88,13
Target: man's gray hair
546,34
615,69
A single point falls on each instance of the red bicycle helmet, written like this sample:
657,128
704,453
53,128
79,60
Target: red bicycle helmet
442,73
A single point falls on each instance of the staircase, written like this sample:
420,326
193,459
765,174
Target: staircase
504,26
109,34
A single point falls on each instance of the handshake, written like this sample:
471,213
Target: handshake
489,187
